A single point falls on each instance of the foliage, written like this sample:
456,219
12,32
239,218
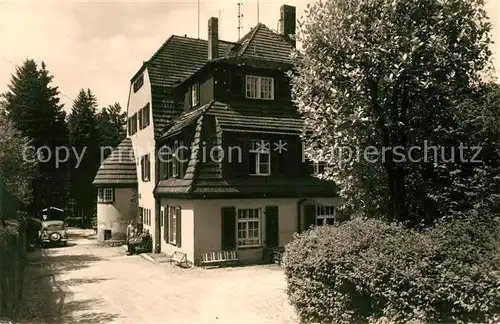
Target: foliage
381,74
32,105
369,271
112,127
84,138
16,166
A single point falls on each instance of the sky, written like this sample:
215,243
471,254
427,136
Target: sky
101,44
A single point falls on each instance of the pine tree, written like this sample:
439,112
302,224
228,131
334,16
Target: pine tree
112,127
33,106
84,139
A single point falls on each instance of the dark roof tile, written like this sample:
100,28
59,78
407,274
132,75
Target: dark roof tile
119,168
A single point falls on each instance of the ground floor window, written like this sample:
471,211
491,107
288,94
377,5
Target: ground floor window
173,225
325,215
248,227
105,195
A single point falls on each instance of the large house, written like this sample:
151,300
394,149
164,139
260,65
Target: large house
213,159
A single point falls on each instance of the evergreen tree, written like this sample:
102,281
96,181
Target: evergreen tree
84,139
33,106
112,127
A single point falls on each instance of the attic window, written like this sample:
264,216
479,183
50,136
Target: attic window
258,87
138,83
195,95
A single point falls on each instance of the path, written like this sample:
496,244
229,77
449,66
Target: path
84,283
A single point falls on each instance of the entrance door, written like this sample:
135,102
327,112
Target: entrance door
164,222
272,227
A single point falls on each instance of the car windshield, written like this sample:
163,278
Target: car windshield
55,227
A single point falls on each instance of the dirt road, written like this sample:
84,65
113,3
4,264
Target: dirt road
84,283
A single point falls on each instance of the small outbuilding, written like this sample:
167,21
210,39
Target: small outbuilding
116,182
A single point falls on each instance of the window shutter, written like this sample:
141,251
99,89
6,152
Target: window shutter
228,228
282,88
294,157
241,167
309,216
149,168
140,119
178,226
237,85
142,168
166,220
113,193
279,163
147,114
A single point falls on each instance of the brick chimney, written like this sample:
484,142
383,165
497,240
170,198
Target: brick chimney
213,38
288,23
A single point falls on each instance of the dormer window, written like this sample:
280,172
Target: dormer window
195,94
138,83
258,87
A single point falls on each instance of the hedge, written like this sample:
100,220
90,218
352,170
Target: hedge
12,265
368,271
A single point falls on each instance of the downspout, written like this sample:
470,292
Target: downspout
157,247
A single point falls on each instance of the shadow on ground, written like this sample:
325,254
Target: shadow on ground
46,299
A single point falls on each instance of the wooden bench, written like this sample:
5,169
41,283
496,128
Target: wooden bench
219,258
180,258
278,254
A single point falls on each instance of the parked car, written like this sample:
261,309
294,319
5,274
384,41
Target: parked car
53,233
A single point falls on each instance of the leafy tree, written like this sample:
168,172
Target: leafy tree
84,139
112,126
32,105
17,168
382,76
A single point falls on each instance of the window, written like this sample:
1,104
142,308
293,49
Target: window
105,195
173,214
248,227
325,215
132,127
107,235
146,168
144,117
138,83
259,87
195,94
260,157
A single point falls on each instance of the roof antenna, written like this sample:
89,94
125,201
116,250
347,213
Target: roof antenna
240,15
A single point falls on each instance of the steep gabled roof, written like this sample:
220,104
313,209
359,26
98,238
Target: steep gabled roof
119,168
263,43
178,58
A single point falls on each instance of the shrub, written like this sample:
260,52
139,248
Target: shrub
373,272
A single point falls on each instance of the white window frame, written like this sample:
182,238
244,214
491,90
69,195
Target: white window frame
107,195
256,82
261,148
325,213
195,94
172,224
240,243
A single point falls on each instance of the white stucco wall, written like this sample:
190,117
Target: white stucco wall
187,227
117,215
143,143
201,224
